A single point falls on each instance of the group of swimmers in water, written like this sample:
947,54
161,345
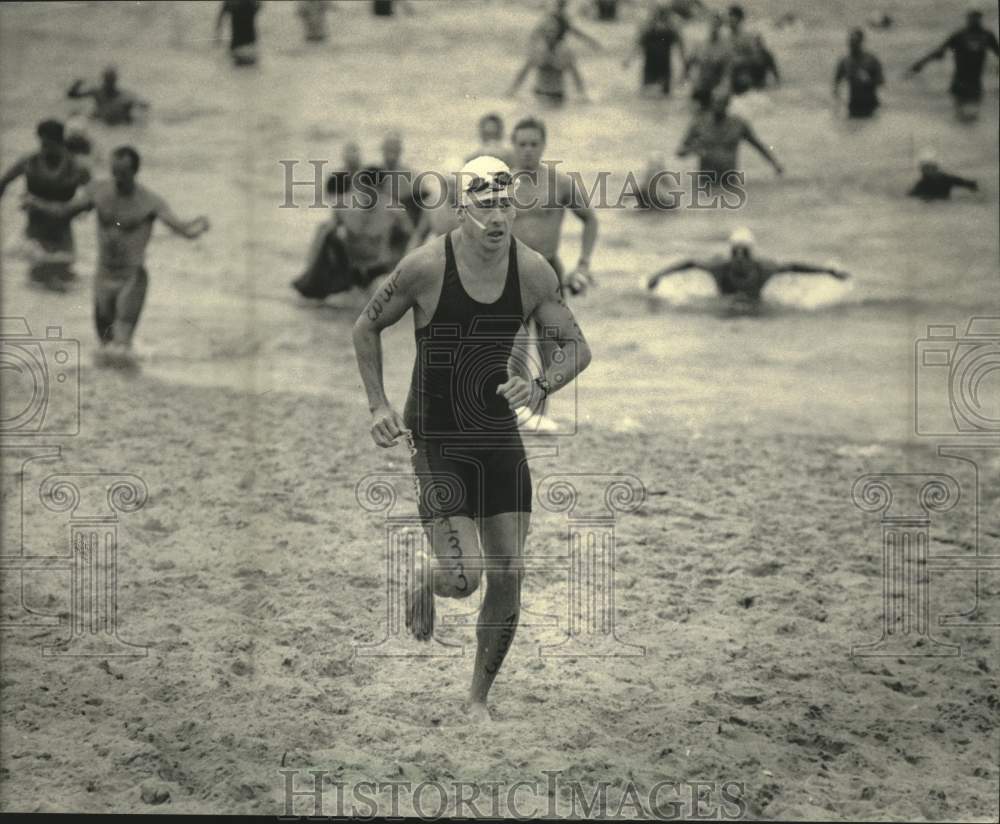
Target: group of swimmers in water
367,235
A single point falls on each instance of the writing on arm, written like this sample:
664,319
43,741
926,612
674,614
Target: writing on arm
386,307
556,323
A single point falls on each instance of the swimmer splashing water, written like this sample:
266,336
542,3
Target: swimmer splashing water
470,291
743,275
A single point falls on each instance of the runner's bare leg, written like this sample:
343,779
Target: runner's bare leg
503,538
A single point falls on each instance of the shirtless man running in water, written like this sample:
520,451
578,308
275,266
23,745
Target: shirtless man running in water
126,212
470,292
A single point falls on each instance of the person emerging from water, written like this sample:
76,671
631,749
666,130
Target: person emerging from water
863,73
360,242
560,16
339,183
715,137
52,176
752,61
112,104
552,60
243,29
968,47
312,13
742,274
935,183
711,64
656,41
126,211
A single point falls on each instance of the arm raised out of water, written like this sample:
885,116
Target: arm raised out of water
670,270
187,228
808,269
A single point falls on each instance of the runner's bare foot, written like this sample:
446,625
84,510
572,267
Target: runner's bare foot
479,713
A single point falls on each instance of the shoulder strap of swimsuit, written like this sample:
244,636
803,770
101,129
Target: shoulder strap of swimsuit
450,267
512,290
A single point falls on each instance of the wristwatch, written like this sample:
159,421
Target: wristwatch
544,385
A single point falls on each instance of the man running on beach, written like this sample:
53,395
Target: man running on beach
52,176
741,274
126,211
470,292
112,104
863,73
969,47
715,137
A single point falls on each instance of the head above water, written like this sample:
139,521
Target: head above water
51,136
528,140
741,242
392,149
110,76
663,15
491,128
720,103
927,161
125,162
551,29
351,155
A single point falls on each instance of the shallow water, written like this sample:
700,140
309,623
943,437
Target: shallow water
819,356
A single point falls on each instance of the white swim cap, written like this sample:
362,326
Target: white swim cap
742,237
927,156
484,178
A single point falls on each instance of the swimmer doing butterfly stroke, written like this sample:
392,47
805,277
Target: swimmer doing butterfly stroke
470,291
